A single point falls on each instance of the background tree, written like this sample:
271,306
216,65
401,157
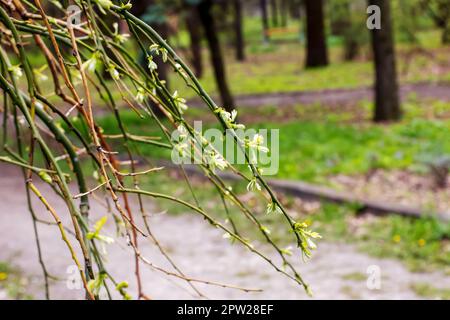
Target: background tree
347,18
194,28
387,104
154,13
238,30
284,12
439,11
274,12
206,17
316,48
264,19
295,8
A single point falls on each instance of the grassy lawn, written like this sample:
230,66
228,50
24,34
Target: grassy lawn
325,144
431,292
422,244
319,141
312,150
279,67
12,283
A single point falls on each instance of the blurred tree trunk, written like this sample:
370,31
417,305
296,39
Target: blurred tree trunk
316,54
387,104
274,12
139,9
439,11
193,26
264,19
284,13
444,9
351,48
446,34
346,29
295,9
238,29
207,20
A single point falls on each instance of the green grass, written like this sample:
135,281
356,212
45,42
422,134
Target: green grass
428,291
12,282
313,150
279,67
355,276
422,244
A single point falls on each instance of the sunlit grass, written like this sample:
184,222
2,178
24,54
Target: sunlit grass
312,150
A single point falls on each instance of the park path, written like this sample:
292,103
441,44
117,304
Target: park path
425,90
201,252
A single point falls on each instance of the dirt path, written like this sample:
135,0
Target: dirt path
337,271
338,96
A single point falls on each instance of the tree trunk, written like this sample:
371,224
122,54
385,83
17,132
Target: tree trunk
295,9
351,44
193,26
274,12
239,34
139,9
264,19
387,105
446,34
163,68
207,20
351,49
316,55
284,12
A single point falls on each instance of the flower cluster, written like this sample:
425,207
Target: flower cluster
141,95
95,234
118,37
306,237
16,71
158,50
229,118
216,160
179,102
113,72
104,5
152,66
92,62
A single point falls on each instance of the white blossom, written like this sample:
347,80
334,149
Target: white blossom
91,63
273,207
16,71
152,66
113,72
257,143
141,95
229,118
118,37
253,185
104,4
216,160
179,102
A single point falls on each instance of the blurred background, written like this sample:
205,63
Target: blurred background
364,120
